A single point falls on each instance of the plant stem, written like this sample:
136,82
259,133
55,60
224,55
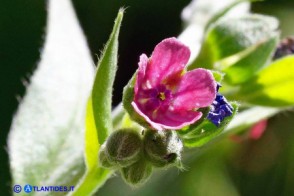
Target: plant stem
92,181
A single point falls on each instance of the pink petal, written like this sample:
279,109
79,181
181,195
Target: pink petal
169,57
153,124
177,119
169,119
141,72
196,89
258,129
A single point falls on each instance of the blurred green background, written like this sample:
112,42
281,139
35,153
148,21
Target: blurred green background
263,167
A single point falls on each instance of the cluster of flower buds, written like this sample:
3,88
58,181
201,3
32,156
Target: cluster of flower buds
136,154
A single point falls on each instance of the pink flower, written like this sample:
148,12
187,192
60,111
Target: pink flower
166,95
258,129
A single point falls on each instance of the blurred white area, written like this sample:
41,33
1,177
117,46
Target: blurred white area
46,138
198,13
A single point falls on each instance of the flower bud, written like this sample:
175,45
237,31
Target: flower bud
123,147
285,47
137,173
162,148
103,158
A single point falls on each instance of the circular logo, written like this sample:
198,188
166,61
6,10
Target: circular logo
27,188
17,188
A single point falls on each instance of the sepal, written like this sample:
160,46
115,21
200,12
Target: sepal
197,136
128,97
162,148
137,173
122,148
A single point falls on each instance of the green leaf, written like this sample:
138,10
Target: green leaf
248,117
218,76
234,44
232,35
98,119
103,84
246,67
45,143
206,131
95,176
203,12
225,10
272,86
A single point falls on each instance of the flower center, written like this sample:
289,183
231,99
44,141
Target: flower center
161,96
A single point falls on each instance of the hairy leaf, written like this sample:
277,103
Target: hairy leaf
223,11
46,137
103,84
272,86
248,117
239,47
206,131
98,118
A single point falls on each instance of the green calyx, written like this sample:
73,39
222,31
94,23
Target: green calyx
128,97
103,158
162,148
122,148
135,156
137,173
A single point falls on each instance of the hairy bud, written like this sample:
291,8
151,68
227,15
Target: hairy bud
122,148
137,173
162,148
103,158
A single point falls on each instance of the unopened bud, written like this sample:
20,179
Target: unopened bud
137,173
103,158
285,47
123,147
162,148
